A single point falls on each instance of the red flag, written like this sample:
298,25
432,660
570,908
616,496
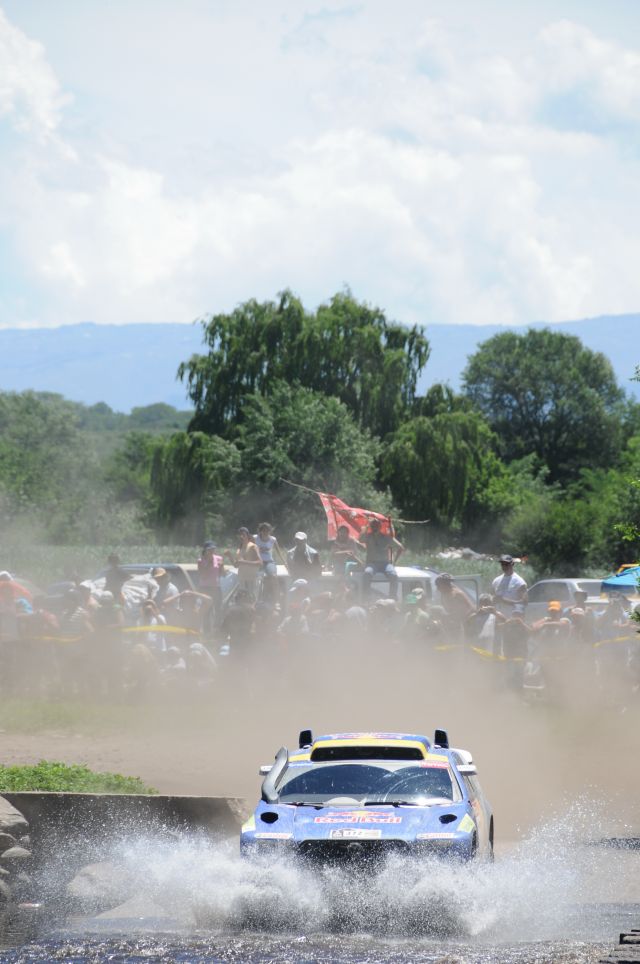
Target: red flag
340,514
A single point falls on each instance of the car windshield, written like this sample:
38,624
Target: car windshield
368,783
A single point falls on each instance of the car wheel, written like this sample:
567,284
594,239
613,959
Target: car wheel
474,848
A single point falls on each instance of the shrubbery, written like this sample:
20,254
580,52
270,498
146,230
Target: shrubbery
61,778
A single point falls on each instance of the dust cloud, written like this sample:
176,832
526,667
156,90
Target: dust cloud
535,759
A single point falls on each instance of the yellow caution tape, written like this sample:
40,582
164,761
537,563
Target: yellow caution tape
174,630
615,639
169,630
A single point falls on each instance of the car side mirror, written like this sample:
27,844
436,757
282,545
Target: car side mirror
264,769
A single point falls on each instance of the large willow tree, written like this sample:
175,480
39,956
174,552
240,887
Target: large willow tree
346,349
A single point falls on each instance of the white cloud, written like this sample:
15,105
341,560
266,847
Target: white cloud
578,60
398,155
29,91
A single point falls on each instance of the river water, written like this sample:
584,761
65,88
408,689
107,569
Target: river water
561,895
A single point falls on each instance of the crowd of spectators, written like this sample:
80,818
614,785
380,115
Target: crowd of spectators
135,630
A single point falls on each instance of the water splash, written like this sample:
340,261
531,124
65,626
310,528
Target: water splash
550,881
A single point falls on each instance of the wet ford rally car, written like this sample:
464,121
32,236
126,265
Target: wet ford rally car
367,795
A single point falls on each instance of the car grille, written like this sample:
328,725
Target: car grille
338,851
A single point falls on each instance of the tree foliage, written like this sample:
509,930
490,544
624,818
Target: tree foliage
346,349
193,480
438,467
545,393
309,439
541,452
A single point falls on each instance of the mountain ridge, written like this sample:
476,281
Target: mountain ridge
133,365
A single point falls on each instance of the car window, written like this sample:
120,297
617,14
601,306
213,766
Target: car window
590,586
546,591
468,782
469,585
323,754
372,783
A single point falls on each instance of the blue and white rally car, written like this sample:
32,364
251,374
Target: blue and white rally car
368,795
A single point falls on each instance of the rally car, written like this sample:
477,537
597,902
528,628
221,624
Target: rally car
365,796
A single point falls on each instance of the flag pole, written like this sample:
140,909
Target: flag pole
305,488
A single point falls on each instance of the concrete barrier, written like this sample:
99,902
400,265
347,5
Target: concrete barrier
99,812
68,830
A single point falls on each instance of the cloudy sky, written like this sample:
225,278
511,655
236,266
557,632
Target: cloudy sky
470,161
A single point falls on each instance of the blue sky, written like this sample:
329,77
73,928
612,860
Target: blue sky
461,162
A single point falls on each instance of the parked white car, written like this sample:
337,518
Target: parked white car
562,590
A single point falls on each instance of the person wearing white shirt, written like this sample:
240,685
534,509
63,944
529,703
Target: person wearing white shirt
509,589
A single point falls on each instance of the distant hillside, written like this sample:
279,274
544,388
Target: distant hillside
616,336
125,366
135,365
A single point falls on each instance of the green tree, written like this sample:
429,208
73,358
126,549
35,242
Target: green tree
307,438
127,471
158,417
558,532
439,467
346,349
193,483
545,393
44,460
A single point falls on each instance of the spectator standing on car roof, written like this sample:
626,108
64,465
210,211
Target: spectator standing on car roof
210,571
382,553
247,561
509,589
303,561
267,546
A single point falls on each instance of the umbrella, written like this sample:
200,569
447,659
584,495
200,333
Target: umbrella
626,581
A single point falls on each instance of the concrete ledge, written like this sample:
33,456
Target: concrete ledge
68,830
102,813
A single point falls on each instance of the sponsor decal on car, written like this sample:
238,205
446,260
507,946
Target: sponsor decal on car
436,836
268,835
466,824
358,816
355,833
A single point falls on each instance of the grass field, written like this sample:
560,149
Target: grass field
91,717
